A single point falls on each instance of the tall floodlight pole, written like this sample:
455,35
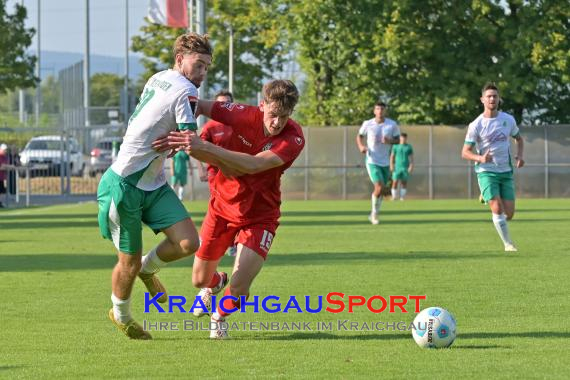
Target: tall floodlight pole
21,97
86,79
201,10
38,73
231,63
126,84
190,16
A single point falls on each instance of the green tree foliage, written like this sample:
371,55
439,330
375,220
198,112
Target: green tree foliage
258,46
430,58
16,66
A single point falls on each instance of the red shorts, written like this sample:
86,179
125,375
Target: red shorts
218,234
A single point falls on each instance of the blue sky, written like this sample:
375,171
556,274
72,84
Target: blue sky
62,25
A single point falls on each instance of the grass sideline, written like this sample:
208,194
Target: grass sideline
512,309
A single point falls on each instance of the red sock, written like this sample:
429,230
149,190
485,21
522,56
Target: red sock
216,278
228,303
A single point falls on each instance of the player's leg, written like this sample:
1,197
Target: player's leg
490,189
216,237
404,187
253,246
375,174
163,212
395,183
120,221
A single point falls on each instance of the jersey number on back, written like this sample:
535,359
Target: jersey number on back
145,98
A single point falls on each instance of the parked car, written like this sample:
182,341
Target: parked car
102,154
49,152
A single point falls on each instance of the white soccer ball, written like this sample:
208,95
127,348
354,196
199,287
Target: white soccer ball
434,327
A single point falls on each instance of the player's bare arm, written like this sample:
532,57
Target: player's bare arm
242,162
392,161
468,154
411,166
520,149
361,144
205,108
205,151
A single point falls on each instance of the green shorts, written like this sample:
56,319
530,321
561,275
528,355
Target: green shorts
124,207
181,180
400,174
378,173
496,184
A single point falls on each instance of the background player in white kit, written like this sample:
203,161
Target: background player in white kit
490,134
134,189
375,138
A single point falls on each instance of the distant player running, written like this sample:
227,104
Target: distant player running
375,138
490,134
134,189
247,197
401,165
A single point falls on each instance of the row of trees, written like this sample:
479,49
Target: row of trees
428,59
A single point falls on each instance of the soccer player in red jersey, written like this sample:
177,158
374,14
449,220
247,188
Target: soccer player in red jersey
246,198
217,133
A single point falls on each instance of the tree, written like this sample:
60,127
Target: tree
16,66
429,59
259,49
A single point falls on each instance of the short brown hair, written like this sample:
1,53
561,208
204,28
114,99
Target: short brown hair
283,93
225,93
192,43
489,86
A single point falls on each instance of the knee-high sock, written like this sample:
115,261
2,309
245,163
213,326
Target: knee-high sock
500,222
376,203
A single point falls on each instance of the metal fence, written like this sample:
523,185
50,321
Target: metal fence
330,166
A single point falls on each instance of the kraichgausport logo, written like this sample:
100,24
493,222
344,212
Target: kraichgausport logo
333,302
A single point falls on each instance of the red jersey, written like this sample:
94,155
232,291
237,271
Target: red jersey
218,134
253,198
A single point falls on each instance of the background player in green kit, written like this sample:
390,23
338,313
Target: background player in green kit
181,166
490,134
134,191
401,165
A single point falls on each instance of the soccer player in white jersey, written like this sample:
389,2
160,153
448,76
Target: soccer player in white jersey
134,189
375,139
490,134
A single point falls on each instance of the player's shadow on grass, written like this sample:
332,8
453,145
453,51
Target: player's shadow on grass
55,262
520,334
325,258
339,336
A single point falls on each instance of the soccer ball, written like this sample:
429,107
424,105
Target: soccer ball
434,327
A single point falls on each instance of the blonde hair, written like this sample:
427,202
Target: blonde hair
282,93
192,43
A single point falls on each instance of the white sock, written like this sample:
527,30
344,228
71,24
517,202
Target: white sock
151,263
402,193
121,309
376,203
394,193
500,222
181,193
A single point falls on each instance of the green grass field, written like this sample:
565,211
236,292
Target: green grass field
512,309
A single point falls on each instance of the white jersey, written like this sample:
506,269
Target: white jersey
168,99
493,134
377,152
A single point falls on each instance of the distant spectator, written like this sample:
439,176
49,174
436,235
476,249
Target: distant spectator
3,161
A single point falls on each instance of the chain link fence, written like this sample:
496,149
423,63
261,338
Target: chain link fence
50,165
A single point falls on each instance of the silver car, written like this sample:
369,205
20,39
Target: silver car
52,153
102,154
